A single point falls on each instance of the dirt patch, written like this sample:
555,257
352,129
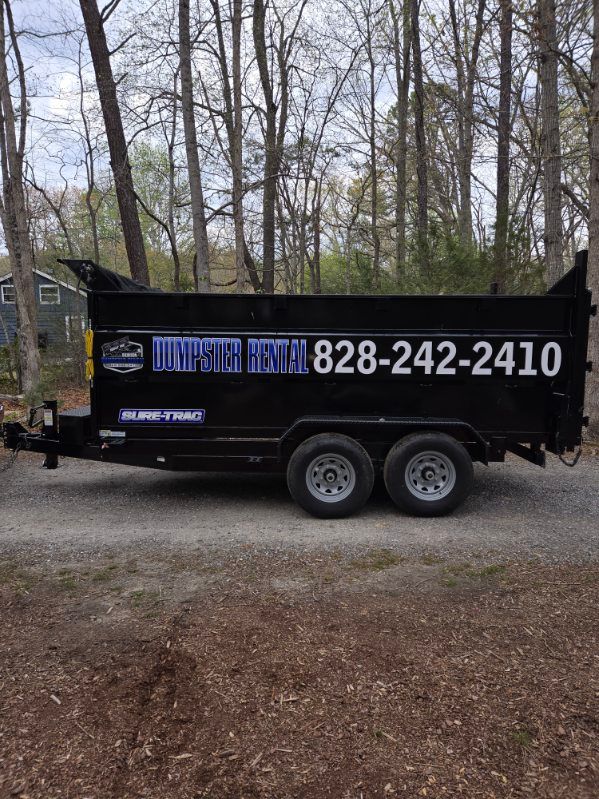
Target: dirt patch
331,677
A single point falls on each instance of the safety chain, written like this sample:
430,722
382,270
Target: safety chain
574,461
11,458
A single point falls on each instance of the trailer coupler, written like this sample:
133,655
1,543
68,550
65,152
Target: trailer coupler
14,435
16,438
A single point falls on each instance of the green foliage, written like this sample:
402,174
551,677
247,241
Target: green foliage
340,275
452,267
8,377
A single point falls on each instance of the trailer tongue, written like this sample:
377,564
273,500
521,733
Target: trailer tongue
329,389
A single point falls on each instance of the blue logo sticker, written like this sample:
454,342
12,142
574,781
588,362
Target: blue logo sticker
122,355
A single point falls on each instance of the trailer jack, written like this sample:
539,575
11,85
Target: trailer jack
50,461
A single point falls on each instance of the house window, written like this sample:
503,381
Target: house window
8,293
49,294
71,324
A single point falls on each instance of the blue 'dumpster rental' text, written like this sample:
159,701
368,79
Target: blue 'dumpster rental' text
226,355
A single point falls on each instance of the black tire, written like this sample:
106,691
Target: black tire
330,475
428,474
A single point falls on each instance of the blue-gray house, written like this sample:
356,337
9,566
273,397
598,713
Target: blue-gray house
61,309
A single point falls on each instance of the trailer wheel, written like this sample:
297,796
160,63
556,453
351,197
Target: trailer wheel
428,474
330,475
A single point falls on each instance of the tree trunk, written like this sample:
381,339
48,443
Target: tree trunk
316,257
301,251
117,145
237,148
504,129
13,210
348,254
466,64
289,268
374,178
172,228
550,141
402,88
270,143
93,222
421,153
233,118
198,214
592,399
92,211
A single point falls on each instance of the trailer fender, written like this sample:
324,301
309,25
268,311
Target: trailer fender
372,428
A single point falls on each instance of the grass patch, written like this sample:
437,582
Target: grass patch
143,597
377,560
523,738
458,569
17,578
105,574
7,572
428,559
67,581
490,571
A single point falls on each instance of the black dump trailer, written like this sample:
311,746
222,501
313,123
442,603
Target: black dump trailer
331,390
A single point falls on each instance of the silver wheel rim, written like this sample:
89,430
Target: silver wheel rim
330,478
430,476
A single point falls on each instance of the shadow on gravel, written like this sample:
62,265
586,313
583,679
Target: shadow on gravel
249,489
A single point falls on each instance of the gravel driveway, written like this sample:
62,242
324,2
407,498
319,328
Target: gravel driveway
516,510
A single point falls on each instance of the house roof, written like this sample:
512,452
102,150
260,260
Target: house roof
46,276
